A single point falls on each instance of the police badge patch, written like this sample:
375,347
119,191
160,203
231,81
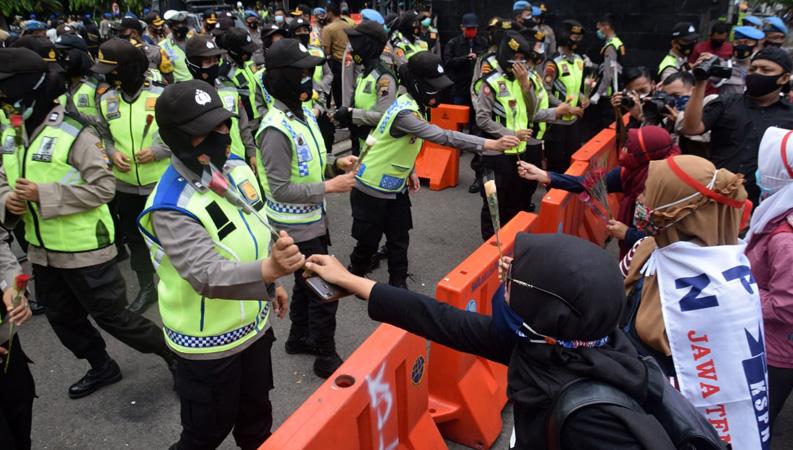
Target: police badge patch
249,192
8,146
112,108
502,89
44,152
229,103
82,100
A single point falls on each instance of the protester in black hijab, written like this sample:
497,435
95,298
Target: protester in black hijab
555,320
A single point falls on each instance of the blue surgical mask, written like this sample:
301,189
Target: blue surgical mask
601,35
426,22
765,191
682,101
279,19
505,320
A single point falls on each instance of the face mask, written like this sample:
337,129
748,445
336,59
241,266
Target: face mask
216,147
773,44
643,221
303,38
643,215
306,89
760,85
686,49
208,74
128,80
253,25
742,51
179,33
126,37
601,35
280,19
426,22
716,43
470,33
681,102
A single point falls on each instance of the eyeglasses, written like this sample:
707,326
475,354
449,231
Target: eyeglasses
511,280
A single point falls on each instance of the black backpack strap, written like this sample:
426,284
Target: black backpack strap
579,394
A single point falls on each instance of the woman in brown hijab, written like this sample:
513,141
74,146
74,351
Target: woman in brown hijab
685,199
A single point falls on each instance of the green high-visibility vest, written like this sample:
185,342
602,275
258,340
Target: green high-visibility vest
407,47
178,60
316,51
365,95
618,46
247,78
389,162
308,164
9,147
569,79
46,160
193,323
83,99
543,102
510,107
132,131
231,100
489,65
668,61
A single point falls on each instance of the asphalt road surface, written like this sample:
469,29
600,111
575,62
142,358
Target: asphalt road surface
142,411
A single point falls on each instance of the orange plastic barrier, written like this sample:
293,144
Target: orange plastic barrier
467,393
376,400
562,211
439,164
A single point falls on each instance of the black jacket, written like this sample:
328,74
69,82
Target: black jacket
599,427
455,59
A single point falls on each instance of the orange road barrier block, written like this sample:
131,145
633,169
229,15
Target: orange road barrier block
439,164
376,400
563,212
467,393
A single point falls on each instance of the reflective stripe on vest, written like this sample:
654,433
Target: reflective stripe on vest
543,102
569,79
231,100
193,323
390,161
132,131
510,108
308,165
46,160
178,60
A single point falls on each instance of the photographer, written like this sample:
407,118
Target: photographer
679,87
739,121
638,85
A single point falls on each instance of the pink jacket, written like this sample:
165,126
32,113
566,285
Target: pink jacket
771,256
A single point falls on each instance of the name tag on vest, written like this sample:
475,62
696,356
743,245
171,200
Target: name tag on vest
112,108
8,146
502,89
82,100
44,152
303,152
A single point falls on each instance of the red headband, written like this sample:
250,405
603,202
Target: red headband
784,154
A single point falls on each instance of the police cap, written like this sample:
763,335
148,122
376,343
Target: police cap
14,61
115,53
290,53
192,107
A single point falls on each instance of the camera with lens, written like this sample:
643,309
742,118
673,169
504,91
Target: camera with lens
627,101
655,106
711,68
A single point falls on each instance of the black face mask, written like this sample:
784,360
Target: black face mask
742,51
126,37
716,43
208,74
253,25
76,63
179,34
773,44
686,49
365,49
216,146
303,38
289,85
128,80
761,85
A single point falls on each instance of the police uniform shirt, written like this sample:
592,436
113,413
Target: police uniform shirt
681,64
386,88
9,265
56,199
409,123
610,59
484,106
161,151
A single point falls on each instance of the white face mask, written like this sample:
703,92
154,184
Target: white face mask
690,197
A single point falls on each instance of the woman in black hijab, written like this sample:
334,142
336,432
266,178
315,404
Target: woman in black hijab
555,321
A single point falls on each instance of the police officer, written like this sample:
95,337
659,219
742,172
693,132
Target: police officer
684,38
564,77
128,130
73,56
160,67
747,39
203,62
540,15
217,267
174,43
429,33
291,168
241,70
380,201
406,40
155,28
55,177
613,51
375,87
775,31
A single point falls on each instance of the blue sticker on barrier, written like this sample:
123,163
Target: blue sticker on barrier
471,306
417,372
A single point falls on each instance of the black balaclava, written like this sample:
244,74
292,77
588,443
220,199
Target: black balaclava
289,85
129,77
179,31
366,51
215,145
75,62
418,88
408,22
511,44
27,94
585,276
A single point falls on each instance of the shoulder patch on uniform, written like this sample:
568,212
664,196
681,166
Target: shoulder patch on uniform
486,90
102,88
486,68
383,86
151,102
399,52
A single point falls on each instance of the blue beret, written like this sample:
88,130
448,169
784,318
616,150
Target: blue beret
35,25
521,5
536,11
747,32
371,14
774,23
752,20
318,11
250,13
